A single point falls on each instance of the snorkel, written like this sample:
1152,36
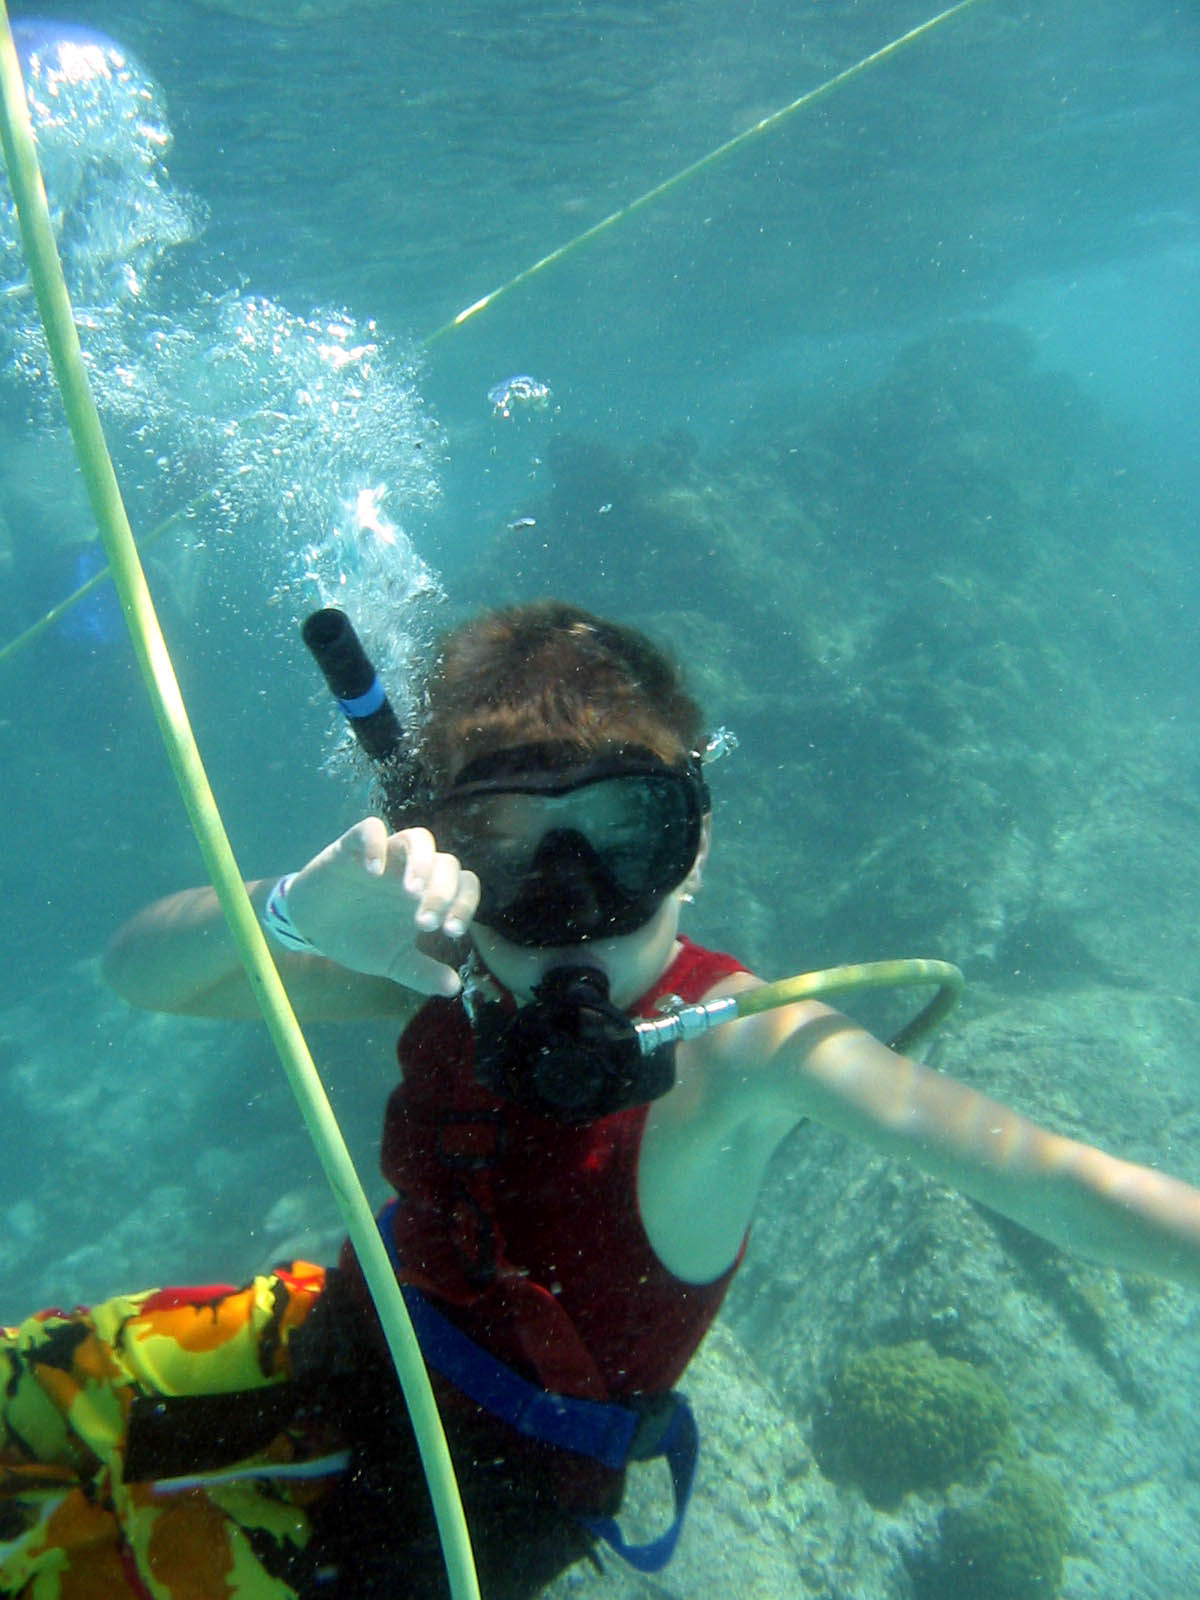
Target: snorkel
354,684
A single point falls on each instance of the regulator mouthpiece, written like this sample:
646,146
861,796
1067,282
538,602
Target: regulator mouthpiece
570,1053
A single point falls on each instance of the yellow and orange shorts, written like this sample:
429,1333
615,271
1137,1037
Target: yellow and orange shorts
87,1511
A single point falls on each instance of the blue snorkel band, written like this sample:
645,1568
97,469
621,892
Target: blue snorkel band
364,705
606,1432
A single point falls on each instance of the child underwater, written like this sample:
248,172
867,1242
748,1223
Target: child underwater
571,1216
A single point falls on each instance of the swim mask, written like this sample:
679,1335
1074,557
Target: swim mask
570,848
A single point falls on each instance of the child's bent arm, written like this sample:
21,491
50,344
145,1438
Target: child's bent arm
178,955
377,910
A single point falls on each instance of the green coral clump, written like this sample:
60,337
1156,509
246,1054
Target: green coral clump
1008,1545
902,1418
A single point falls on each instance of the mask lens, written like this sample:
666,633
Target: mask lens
561,860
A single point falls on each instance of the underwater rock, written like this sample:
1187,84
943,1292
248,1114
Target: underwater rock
1098,1370
934,618
141,1175
763,1523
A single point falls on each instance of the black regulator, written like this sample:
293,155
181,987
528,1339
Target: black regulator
570,1053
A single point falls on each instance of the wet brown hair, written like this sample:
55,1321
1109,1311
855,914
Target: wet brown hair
547,671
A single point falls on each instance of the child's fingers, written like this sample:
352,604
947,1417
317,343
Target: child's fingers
368,841
416,849
447,894
451,899
463,906
450,893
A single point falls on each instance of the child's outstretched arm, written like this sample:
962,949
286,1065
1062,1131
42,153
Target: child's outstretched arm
1081,1198
752,1081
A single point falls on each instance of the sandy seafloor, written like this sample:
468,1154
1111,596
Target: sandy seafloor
948,601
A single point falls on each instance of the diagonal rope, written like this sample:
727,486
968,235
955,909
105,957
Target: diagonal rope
720,153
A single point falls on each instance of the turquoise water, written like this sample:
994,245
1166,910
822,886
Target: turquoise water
886,422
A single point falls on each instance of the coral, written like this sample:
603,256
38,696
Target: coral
1007,1545
902,1417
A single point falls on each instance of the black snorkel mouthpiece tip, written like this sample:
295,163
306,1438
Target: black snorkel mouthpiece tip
353,682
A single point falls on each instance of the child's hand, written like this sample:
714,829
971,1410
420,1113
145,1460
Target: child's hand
365,899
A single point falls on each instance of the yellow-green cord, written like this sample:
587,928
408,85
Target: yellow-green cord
36,629
867,975
57,318
838,80
656,193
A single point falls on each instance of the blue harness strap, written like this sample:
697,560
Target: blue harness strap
606,1432
679,1444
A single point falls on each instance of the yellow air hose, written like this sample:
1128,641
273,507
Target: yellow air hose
687,1022
867,975
54,307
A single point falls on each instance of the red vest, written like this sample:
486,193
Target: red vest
525,1229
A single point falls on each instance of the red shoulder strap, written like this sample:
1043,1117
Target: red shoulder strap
691,975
